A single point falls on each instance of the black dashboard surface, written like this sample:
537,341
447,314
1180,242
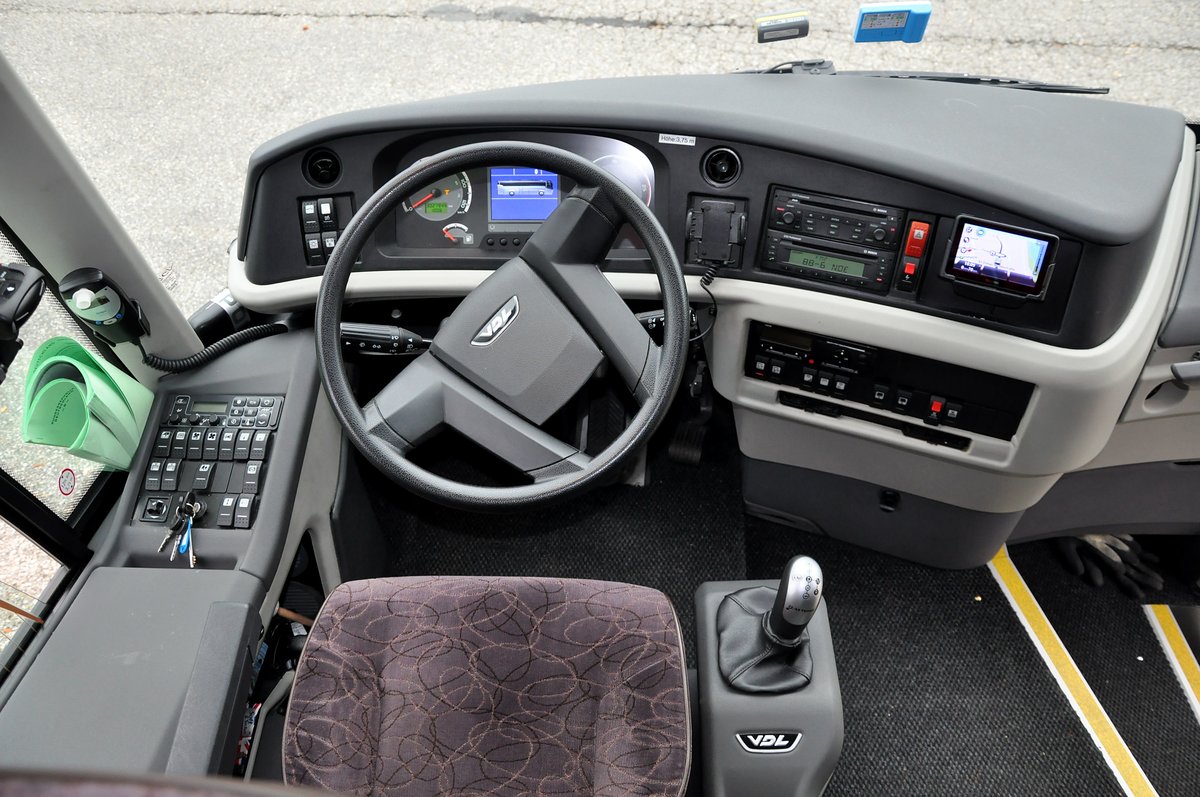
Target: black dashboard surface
1099,170
1091,176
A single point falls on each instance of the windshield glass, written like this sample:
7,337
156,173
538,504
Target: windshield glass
164,100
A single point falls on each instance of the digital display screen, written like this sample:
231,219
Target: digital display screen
833,265
519,193
1002,257
786,337
886,19
209,407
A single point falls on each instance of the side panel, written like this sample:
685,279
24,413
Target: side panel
107,690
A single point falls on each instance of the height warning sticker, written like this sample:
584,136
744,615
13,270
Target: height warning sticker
675,138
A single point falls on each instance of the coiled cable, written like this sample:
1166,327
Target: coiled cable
210,353
707,279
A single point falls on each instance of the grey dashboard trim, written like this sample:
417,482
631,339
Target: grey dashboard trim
1046,156
1183,325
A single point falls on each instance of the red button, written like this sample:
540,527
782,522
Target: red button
935,406
910,268
918,236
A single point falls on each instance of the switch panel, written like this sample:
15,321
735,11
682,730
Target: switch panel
217,446
322,221
887,382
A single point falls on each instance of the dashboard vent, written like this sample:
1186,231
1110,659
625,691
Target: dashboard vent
322,167
721,166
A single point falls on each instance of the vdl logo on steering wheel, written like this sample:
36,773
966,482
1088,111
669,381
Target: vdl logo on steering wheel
499,322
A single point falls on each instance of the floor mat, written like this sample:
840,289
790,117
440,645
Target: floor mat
1114,646
942,690
683,528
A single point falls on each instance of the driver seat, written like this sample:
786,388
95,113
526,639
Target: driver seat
491,686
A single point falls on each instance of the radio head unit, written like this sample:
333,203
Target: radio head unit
1010,260
829,261
831,239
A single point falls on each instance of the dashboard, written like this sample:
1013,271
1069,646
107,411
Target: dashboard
952,291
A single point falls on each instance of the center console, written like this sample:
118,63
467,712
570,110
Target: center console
770,704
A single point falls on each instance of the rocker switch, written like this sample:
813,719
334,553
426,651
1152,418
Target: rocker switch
308,215
243,512
225,511
327,213
253,473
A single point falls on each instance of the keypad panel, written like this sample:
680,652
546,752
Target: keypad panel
217,446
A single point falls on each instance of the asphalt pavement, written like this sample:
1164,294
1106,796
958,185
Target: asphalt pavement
164,100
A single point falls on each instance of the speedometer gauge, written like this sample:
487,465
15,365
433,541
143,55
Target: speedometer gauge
631,172
441,200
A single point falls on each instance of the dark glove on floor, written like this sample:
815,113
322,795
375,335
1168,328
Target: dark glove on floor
1127,565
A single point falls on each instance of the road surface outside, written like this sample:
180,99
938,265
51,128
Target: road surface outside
164,100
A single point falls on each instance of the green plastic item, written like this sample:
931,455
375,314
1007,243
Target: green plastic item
78,401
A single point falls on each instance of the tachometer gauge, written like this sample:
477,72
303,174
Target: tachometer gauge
441,200
629,171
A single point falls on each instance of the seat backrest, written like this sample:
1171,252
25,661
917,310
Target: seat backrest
491,686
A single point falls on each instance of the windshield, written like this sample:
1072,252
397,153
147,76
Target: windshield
164,100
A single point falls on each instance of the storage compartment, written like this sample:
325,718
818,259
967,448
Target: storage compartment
905,525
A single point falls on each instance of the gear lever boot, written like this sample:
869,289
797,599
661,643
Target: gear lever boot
762,637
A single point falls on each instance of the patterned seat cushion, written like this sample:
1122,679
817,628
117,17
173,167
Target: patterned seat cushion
491,686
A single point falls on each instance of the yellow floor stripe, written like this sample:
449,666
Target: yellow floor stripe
1179,653
1095,719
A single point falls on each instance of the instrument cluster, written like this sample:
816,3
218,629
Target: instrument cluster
498,207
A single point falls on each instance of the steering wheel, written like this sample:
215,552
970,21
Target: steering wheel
520,345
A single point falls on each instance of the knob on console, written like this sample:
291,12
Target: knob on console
797,599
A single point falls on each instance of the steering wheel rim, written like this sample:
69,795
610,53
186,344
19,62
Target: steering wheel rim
383,447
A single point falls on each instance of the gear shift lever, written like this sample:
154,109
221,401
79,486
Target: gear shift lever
796,601
762,632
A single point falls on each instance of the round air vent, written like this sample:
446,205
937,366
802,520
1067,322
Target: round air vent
322,167
721,166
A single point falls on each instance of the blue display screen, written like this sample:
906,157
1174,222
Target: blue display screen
519,193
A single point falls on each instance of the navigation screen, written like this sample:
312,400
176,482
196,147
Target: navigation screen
519,193
997,256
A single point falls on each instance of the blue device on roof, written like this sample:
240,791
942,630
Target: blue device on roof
892,22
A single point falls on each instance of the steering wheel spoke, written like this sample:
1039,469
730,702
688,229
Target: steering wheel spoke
427,395
566,252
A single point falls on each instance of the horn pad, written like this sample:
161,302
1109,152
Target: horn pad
530,355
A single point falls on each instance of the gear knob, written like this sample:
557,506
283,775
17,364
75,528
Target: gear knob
797,599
